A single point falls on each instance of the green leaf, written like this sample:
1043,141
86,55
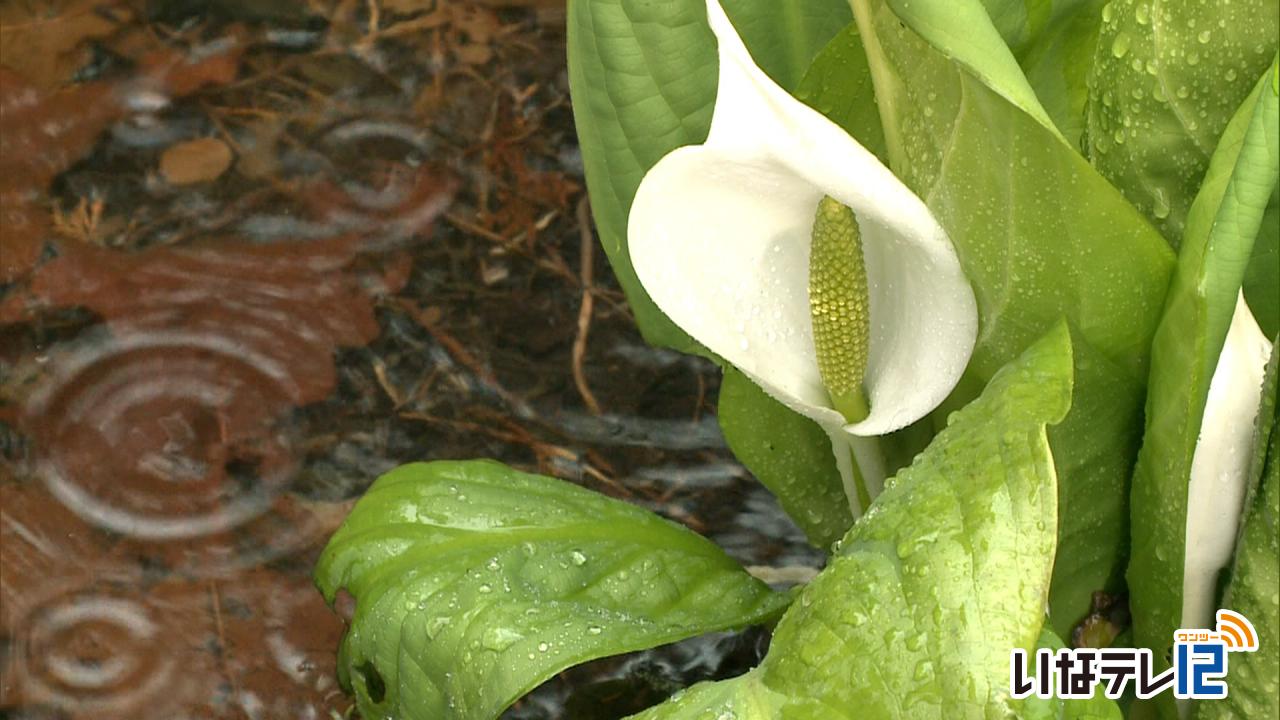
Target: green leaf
1221,227
1262,277
789,454
1094,448
1255,581
643,80
839,86
1166,79
916,614
1057,57
1053,41
964,32
1041,236
785,35
474,583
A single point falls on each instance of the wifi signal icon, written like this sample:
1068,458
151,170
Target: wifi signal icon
1236,632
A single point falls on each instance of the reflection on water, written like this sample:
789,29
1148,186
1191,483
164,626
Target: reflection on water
251,260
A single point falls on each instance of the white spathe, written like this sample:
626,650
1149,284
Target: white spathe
1220,464
719,235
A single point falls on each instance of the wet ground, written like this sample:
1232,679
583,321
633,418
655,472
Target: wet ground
255,253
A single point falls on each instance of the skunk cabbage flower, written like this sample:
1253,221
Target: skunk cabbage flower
1220,464
791,251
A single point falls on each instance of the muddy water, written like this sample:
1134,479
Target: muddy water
255,254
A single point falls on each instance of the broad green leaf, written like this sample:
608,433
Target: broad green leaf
1166,79
916,614
1094,449
1255,581
838,85
643,79
474,583
1221,227
1057,59
785,35
964,32
1020,22
1053,41
1041,236
1262,277
789,454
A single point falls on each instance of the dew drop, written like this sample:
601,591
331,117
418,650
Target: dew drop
1161,207
1120,45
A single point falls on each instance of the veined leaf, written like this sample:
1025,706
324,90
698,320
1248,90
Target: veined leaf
838,85
1255,577
1053,41
1262,276
643,81
789,453
1167,77
964,32
474,583
1057,56
916,614
1221,227
1041,236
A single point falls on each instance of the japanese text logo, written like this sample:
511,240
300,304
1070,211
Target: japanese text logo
1199,658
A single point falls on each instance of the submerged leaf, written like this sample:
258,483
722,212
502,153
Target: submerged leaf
917,612
474,583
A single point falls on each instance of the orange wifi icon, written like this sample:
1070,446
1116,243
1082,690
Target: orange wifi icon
1236,631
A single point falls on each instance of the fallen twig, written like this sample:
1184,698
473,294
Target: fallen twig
587,273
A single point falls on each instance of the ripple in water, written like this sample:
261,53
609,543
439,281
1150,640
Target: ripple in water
170,424
163,435
93,650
